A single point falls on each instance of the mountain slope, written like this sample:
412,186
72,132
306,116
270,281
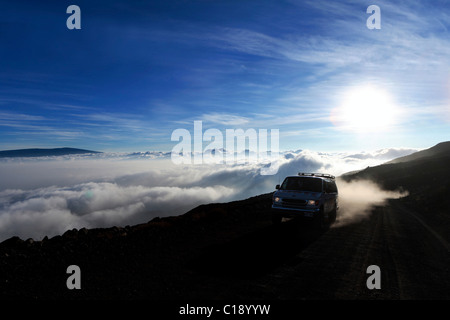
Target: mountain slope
426,169
43,152
441,149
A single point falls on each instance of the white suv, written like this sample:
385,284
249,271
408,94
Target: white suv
309,195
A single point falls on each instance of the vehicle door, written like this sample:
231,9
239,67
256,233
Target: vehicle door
329,196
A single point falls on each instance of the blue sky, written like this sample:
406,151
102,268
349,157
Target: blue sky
138,70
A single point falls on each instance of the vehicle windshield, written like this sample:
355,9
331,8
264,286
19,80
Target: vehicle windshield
302,184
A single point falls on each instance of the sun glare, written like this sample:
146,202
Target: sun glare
365,109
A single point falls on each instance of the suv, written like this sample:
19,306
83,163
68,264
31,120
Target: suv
312,196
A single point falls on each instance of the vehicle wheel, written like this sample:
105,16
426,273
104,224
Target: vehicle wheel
332,216
319,221
276,219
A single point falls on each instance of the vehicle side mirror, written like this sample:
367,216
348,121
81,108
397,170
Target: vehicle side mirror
277,186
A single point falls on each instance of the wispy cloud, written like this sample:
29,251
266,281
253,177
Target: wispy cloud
225,119
20,117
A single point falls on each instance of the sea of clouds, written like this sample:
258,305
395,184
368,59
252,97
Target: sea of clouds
47,196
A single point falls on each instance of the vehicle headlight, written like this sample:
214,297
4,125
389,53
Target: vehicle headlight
276,199
313,202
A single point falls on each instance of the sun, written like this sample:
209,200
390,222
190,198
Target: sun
365,109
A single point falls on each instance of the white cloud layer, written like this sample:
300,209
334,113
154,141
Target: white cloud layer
47,197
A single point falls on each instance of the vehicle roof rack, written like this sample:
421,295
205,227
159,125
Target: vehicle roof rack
321,175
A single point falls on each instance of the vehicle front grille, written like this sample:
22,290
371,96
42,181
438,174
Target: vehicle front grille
293,203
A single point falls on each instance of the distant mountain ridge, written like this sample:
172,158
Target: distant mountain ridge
38,152
439,150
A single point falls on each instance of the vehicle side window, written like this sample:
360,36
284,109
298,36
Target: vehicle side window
330,187
334,187
284,185
327,187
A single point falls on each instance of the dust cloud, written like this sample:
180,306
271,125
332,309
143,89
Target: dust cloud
358,198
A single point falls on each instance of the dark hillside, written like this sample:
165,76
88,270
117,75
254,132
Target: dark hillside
26,153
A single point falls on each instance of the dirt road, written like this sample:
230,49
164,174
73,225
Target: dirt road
292,262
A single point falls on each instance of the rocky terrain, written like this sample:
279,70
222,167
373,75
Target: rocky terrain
143,261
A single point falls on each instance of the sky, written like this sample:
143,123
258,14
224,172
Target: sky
138,70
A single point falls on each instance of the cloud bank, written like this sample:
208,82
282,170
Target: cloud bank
47,197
